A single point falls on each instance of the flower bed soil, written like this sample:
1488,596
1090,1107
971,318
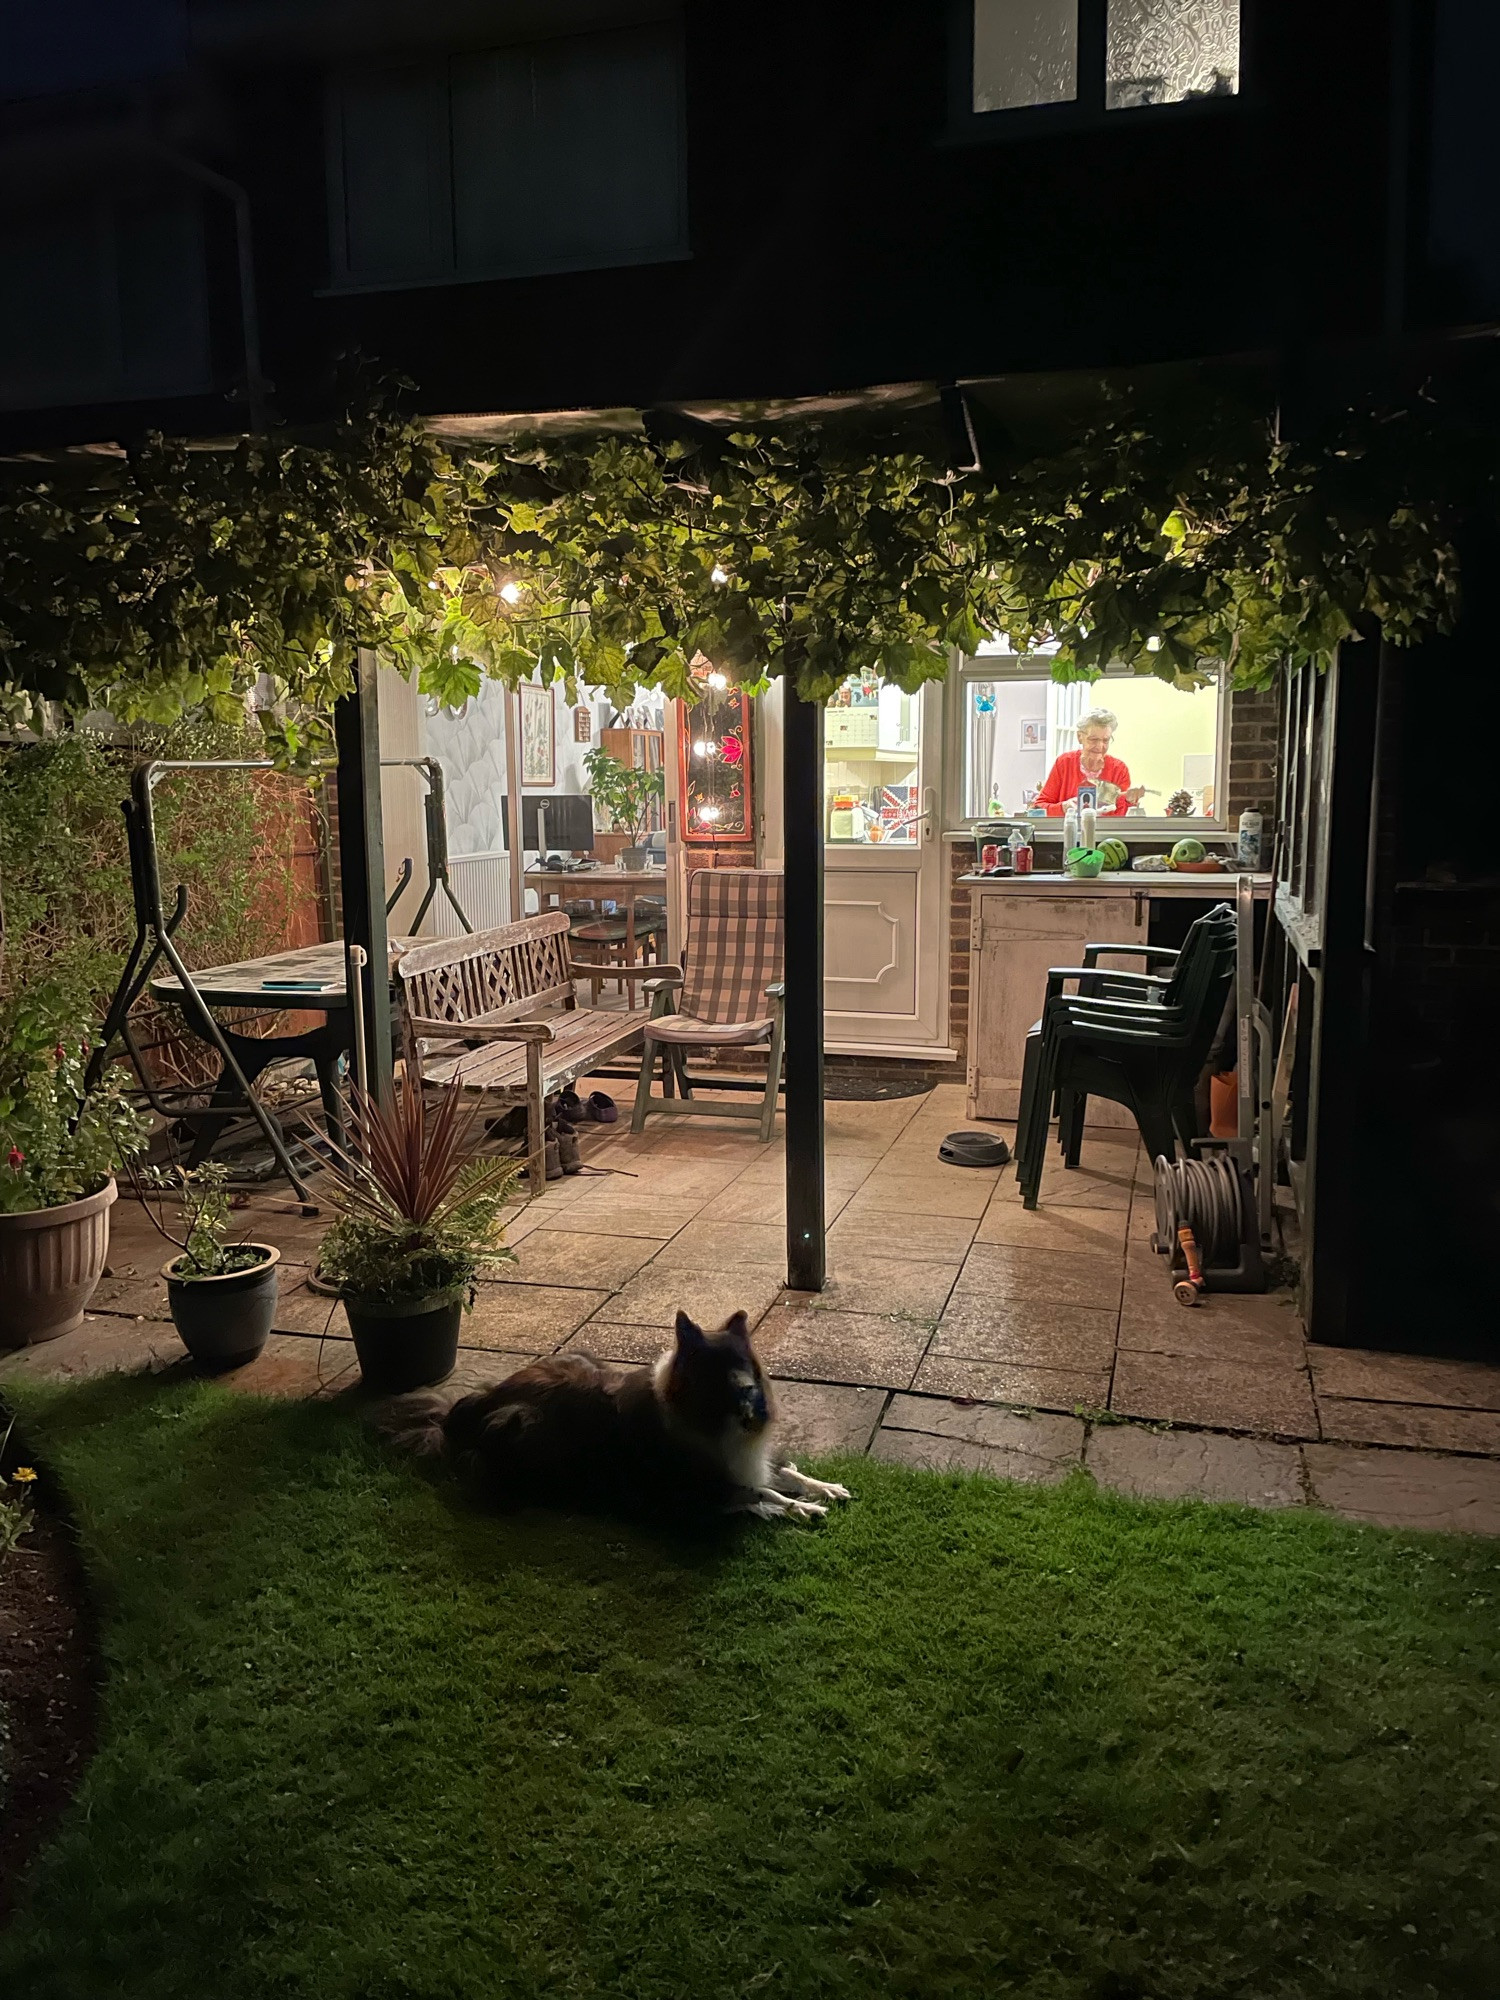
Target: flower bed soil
48,1684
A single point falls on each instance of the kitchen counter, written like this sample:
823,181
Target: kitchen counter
1021,925
1121,882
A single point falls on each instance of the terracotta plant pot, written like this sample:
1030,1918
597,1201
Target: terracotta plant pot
409,1345
225,1321
51,1261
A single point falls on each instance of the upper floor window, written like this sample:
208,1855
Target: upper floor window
1114,55
564,155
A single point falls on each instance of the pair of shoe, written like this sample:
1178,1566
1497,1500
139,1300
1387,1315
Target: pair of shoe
603,1110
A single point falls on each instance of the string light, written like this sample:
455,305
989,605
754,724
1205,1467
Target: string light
511,592
718,680
1153,644
703,748
708,814
718,575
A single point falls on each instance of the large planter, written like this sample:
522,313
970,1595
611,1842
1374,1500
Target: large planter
410,1345
51,1261
225,1321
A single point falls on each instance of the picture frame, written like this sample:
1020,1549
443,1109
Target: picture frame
538,738
1033,732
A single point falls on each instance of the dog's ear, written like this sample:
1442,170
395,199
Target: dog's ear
689,1333
737,1326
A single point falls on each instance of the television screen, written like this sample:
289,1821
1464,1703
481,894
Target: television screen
570,821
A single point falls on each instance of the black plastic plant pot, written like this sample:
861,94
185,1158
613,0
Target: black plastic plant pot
407,1345
225,1321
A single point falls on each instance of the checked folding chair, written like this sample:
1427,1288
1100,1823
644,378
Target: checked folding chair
728,993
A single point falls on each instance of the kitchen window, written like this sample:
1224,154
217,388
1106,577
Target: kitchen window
1013,723
562,155
1098,56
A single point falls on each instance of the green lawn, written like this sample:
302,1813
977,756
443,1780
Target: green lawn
969,1739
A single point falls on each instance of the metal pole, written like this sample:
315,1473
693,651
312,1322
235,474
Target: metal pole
356,724
802,816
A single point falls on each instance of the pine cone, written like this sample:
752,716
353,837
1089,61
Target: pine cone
1180,805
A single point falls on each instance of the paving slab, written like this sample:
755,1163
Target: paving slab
982,1423
1273,1397
1422,1427
1052,1277
1026,1332
617,1209
526,1319
938,1190
816,1343
885,1285
1406,1489
931,1239
574,1257
1091,1232
1200,1465
1404,1378
1039,1450
656,1295
134,1293
1222,1328
628,1345
1013,1382
817,1419
715,1240
1079,1187
291,1364
480,1368
102,1345
299,1309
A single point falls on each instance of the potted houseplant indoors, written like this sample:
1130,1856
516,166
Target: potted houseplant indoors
59,1142
222,1295
418,1215
628,796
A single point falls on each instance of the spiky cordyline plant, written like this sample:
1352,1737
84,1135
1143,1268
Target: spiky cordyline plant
418,1212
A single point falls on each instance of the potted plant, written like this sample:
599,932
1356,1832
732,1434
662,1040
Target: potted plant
418,1215
222,1295
59,1142
628,796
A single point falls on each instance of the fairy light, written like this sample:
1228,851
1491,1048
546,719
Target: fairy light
708,814
703,748
1153,644
511,592
718,575
717,680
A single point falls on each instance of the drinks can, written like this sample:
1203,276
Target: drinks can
1022,858
989,857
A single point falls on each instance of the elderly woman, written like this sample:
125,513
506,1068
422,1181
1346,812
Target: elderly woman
1091,764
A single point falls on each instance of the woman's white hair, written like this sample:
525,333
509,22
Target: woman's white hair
1098,718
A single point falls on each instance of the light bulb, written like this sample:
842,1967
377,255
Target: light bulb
703,749
708,813
718,680
717,575
1153,644
511,592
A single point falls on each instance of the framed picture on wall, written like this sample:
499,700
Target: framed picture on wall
1033,732
538,743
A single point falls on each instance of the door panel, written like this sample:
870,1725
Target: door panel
869,942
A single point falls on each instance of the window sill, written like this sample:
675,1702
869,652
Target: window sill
1047,121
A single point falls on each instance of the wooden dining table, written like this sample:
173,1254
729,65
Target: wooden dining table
620,885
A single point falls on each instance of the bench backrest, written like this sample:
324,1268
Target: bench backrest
502,975
735,944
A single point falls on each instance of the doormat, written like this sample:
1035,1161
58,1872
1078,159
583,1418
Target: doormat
851,1084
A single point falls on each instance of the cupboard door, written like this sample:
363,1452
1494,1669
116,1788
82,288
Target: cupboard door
1016,940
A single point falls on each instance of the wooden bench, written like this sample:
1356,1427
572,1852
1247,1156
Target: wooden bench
508,997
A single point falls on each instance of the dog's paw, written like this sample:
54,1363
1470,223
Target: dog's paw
806,1510
827,1491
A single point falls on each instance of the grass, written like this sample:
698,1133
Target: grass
364,1742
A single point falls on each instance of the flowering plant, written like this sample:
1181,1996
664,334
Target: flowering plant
58,1139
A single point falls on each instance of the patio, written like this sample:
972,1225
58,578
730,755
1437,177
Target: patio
956,1329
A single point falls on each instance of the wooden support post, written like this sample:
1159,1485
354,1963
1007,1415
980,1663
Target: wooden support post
802,816
356,724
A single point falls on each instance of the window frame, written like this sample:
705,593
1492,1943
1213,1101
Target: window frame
438,69
1087,112
966,669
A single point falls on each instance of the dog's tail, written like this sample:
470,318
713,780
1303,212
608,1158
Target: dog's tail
418,1424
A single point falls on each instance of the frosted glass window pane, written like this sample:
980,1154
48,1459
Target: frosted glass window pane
1025,52
1162,51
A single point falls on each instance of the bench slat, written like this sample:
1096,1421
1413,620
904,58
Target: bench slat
502,1066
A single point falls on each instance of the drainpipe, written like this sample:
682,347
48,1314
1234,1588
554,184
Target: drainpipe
239,200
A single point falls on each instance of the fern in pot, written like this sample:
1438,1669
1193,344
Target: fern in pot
419,1215
222,1295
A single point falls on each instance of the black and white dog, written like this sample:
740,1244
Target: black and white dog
691,1431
